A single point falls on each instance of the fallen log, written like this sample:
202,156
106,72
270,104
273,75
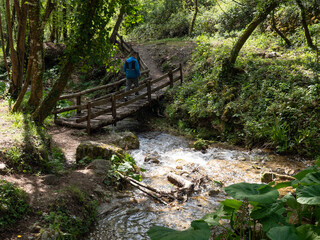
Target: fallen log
161,196
180,181
270,176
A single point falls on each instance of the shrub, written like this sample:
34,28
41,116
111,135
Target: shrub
13,204
71,215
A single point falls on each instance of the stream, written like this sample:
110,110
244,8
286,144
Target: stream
131,215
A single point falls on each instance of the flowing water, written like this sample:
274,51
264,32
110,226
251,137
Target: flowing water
130,216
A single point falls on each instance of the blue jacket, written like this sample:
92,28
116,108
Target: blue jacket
132,68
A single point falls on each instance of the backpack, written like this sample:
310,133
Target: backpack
133,65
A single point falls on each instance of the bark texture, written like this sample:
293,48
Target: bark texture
305,25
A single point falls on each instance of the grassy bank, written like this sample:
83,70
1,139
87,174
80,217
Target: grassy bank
272,102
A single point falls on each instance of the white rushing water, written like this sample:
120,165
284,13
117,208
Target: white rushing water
131,217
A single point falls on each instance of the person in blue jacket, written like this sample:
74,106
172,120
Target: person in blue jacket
132,70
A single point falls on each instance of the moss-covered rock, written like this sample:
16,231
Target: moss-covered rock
124,140
97,150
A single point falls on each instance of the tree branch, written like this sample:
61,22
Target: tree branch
49,9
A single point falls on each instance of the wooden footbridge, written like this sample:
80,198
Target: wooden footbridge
92,114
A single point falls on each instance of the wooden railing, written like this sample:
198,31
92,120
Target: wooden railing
146,88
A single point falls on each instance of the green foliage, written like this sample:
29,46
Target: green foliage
269,101
126,166
33,150
199,231
13,204
256,204
71,216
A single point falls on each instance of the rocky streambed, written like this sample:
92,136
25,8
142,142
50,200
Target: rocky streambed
132,213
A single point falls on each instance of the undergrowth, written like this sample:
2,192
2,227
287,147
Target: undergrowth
272,101
70,216
31,149
13,204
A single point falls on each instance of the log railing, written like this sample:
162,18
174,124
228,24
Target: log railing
111,101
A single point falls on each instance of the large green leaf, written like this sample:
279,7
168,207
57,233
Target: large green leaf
303,173
268,210
309,195
269,215
311,178
232,203
290,201
199,231
253,192
283,233
308,232
212,219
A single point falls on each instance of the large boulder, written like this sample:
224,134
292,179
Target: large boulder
124,140
97,150
99,166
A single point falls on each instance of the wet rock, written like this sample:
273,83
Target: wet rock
50,179
100,166
124,140
106,208
152,158
96,150
213,192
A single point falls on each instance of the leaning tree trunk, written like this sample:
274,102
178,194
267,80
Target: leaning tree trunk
305,25
117,25
227,68
274,26
48,104
194,17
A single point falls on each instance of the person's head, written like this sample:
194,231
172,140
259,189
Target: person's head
134,54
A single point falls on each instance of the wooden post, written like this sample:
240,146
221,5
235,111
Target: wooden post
149,91
114,110
89,118
181,74
78,103
170,74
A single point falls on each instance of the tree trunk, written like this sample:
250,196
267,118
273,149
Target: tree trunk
279,32
13,54
53,26
3,48
228,63
17,55
117,25
36,51
194,17
35,67
44,110
305,25
64,19
48,104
